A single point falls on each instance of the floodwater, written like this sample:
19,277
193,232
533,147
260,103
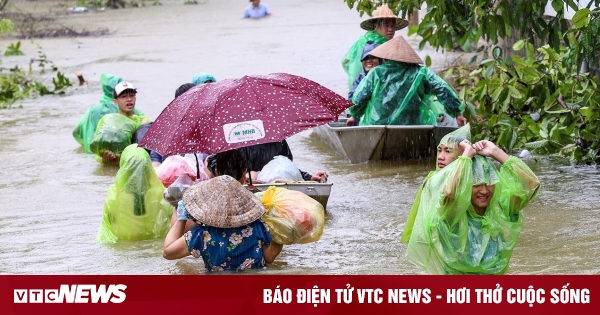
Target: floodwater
52,194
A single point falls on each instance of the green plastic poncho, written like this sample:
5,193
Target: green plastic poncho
85,129
449,237
134,208
351,61
114,133
398,93
450,140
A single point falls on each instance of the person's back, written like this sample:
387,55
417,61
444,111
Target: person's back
228,233
134,208
398,92
259,155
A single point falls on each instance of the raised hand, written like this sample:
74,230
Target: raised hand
488,148
467,148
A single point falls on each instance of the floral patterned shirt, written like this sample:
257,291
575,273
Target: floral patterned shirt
229,248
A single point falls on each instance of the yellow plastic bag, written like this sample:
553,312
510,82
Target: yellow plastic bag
292,216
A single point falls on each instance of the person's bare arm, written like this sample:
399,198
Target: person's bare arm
270,252
175,246
488,148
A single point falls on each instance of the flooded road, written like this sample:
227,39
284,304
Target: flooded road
52,193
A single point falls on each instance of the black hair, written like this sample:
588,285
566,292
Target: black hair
124,91
183,88
231,163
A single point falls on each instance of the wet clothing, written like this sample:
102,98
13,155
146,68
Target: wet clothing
229,248
256,13
155,157
85,129
351,61
398,93
134,208
449,237
359,78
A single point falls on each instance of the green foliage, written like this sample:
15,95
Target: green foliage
537,103
90,3
14,50
537,100
17,84
6,26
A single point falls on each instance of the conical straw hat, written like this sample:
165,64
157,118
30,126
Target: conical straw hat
222,202
397,49
383,12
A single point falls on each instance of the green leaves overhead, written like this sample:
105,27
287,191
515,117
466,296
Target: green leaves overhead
532,96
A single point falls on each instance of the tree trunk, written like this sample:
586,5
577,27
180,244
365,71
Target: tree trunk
3,4
413,18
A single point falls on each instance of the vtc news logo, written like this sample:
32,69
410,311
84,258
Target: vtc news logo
74,293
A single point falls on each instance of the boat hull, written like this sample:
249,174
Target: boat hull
360,144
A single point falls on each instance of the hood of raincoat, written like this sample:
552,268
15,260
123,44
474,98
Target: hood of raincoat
203,77
456,136
135,168
484,171
369,46
109,81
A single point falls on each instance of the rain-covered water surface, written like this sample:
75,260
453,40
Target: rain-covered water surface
52,193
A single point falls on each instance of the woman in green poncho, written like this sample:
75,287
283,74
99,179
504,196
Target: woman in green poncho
448,150
134,208
399,91
380,28
469,218
85,129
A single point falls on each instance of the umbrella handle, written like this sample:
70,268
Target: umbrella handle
197,166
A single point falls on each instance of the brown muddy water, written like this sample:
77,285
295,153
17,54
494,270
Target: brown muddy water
52,194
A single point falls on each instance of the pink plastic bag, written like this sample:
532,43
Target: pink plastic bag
172,167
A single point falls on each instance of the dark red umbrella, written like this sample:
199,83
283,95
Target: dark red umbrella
235,113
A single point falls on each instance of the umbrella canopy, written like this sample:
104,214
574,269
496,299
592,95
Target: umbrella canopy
235,113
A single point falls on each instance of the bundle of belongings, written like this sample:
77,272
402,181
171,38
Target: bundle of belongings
292,216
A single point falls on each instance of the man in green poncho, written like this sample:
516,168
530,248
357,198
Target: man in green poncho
470,216
399,91
85,129
380,28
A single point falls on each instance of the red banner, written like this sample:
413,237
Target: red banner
287,295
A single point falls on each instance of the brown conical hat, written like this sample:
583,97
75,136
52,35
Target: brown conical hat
222,202
397,49
383,12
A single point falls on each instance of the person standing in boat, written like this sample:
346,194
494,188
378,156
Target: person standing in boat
398,92
381,27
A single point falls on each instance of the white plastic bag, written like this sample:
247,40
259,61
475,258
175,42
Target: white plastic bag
280,167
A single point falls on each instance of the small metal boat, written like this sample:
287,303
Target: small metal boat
359,144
